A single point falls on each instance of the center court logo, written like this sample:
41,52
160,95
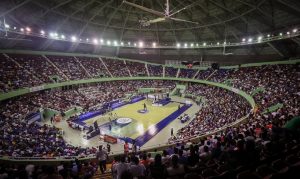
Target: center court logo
124,121
143,111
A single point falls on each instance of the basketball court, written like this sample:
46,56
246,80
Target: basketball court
140,122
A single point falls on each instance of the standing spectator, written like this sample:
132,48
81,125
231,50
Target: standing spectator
157,168
136,169
145,161
121,167
182,159
172,132
175,169
114,164
205,156
165,158
101,157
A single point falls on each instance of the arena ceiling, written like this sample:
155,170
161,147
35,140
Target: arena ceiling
113,19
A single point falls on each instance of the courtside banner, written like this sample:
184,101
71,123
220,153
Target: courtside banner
110,139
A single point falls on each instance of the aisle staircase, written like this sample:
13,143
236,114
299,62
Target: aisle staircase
98,175
178,72
107,175
127,68
106,67
59,71
196,74
19,65
80,64
211,75
146,66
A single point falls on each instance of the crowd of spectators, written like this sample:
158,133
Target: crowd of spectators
38,66
136,68
14,77
222,107
100,93
64,170
280,84
155,70
170,72
69,66
244,145
187,73
204,74
117,68
94,66
245,151
18,138
220,75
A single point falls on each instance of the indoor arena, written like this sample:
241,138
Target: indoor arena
149,89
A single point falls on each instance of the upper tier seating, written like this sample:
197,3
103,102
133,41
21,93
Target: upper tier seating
94,66
69,66
38,66
171,72
136,68
155,70
280,84
187,73
13,77
116,67
204,74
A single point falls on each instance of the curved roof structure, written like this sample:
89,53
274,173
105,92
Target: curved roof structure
215,20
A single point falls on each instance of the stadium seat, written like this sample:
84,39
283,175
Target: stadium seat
264,171
280,166
247,175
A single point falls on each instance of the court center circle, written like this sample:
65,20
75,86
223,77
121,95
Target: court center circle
124,120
